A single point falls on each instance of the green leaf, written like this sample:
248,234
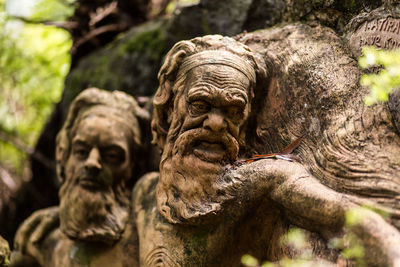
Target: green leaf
249,261
388,78
34,60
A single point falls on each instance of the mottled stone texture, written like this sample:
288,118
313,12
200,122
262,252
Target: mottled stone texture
349,147
314,90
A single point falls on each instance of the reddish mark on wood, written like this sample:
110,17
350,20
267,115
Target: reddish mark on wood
284,154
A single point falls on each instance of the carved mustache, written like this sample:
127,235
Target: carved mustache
186,142
90,179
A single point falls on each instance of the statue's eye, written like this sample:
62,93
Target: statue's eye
113,155
80,152
199,107
233,112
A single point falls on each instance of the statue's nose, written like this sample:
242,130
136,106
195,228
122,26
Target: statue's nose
215,121
93,160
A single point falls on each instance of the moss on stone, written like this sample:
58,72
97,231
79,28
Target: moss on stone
152,42
130,63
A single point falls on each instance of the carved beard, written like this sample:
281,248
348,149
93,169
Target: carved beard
98,215
188,191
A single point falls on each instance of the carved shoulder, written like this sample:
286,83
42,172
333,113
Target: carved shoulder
31,235
144,191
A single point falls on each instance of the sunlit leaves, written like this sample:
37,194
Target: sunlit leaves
249,261
41,10
175,3
297,241
34,61
53,10
388,78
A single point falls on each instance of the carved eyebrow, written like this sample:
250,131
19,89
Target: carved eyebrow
112,147
198,92
233,96
236,96
79,142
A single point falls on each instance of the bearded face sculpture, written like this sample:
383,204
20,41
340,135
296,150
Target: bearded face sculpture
93,202
96,161
211,92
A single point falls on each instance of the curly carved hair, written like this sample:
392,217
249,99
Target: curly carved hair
171,86
125,106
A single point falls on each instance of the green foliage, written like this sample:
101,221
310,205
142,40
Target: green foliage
176,3
52,10
151,42
351,248
295,238
40,10
350,244
297,241
388,78
34,61
249,261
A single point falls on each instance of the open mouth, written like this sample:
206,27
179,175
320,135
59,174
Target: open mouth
209,151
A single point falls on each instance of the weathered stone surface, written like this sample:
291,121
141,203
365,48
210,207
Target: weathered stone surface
314,90
332,13
264,13
4,253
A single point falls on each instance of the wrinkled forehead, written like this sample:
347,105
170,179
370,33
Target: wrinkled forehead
110,113
223,80
113,117
219,58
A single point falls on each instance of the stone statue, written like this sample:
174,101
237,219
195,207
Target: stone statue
200,114
201,214
96,153
205,208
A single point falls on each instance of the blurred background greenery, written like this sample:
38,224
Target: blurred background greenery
385,78
34,60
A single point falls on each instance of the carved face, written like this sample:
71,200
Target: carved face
93,204
215,105
100,154
208,117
